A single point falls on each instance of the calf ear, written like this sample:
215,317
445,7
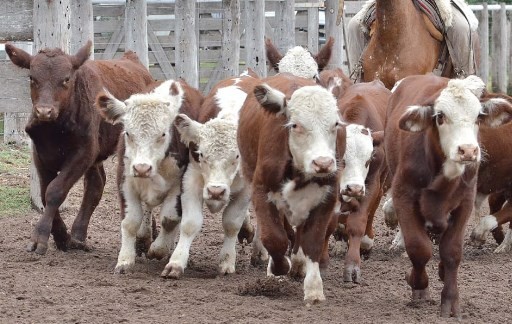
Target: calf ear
110,108
188,129
475,85
18,56
495,112
378,138
82,55
273,55
324,55
416,118
272,100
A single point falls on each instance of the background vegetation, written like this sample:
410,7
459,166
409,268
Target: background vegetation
14,179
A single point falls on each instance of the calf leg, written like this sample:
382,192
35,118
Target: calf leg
170,218
144,235
491,222
246,231
94,183
368,238
496,202
232,219
191,223
450,251
259,253
129,227
506,245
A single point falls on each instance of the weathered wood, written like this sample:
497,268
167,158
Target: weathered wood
114,42
504,51
254,38
483,33
186,53
495,39
284,30
230,40
313,29
16,20
136,29
331,30
14,88
52,25
82,28
159,53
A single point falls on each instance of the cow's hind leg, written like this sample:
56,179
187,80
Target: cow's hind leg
232,220
247,230
259,254
170,218
94,183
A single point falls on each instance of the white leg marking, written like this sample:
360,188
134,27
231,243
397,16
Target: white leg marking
506,245
163,244
313,286
269,272
486,225
390,217
298,264
366,243
398,242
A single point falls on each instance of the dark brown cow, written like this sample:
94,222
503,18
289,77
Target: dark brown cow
363,107
154,160
70,139
298,60
287,139
432,151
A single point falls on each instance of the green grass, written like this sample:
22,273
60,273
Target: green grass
14,184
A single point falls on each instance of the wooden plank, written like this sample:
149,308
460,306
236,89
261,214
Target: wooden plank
254,41
483,29
14,88
113,43
16,20
52,25
230,54
312,30
284,29
495,39
503,50
159,53
331,30
186,55
82,28
136,29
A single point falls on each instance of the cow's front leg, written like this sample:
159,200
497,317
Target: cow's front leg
129,228
450,252
191,222
259,254
94,182
170,220
144,235
232,220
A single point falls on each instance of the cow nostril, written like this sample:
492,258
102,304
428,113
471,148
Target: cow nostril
468,151
216,191
142,169
44,111
355,189
323,163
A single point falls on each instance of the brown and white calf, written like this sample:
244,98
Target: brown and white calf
152,162
432,151
70,139
363,107
213,174
298,60
287,138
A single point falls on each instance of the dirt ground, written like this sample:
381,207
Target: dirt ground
80,287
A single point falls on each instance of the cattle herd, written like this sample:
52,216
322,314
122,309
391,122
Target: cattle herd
310,151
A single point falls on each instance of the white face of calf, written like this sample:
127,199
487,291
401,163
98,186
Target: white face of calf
298,61
147,120
313,122
218,157
456,114
357,158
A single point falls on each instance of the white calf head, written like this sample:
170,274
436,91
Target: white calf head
456,113
147,120
215,151
313,122
357,158
299,61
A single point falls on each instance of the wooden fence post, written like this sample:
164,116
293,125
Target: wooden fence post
503,50
483,28
313,30
254,37
284,31
136,29
186,42
51,29
82,27
230,38
331,13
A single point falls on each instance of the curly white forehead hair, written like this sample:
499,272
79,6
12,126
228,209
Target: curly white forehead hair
299,61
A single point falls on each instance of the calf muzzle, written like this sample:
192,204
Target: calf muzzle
45,113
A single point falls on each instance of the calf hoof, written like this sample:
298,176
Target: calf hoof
477,239
172,271
450,308
259,259
352,273
279,269
314,297
246,233
76,244
157,253
142,245
225,269
39,248
420,294
123,268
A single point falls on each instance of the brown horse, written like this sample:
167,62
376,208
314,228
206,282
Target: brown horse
403,43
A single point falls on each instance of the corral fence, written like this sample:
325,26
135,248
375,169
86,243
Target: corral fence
310,21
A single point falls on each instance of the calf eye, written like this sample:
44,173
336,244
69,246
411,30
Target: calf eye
65,82
440,119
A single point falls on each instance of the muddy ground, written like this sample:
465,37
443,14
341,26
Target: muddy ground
80,287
